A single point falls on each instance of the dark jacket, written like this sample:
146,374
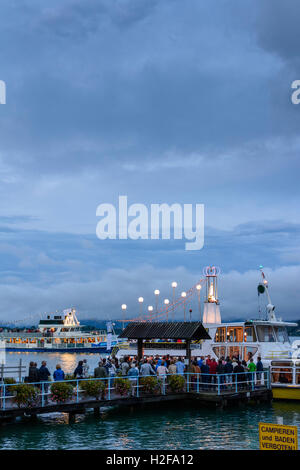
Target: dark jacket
78,371
100,372
44,373
33,375
259,366
228,368
220,369
237,370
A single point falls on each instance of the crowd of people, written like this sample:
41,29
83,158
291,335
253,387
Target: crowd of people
204,370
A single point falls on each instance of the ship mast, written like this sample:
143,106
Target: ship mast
263,287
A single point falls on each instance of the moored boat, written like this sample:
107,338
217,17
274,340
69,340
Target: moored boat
60,333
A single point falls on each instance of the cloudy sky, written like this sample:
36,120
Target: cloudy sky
162,101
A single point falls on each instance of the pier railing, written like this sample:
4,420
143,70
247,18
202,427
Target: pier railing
135,386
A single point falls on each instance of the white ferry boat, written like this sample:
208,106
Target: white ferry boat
265,337
60,333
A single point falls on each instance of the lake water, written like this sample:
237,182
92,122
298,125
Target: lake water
156,427
159,427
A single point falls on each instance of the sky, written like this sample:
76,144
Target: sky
162,101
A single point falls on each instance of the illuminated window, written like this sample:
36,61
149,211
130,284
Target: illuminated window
235,334
220,336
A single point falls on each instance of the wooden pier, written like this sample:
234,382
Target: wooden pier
201,397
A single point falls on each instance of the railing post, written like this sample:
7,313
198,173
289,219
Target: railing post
197,383
187,382
108,387
77,392
137,387
235,383
253,379
43,398
4,395
164,384
218,379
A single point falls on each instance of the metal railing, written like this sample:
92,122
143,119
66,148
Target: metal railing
193,383
285,375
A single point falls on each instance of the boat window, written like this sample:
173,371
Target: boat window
249,352
234,351
219,351
220,335
235,334
281,334
265,333
249,334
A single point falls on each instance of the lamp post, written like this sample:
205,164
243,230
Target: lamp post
166,302
123,307
183,295
141,300
199,287
174,285
150,310
156,293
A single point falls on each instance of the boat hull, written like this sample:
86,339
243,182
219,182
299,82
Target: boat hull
286,393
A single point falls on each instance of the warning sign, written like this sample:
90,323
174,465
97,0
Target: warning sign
277,437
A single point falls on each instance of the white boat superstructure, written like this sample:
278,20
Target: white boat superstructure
267,338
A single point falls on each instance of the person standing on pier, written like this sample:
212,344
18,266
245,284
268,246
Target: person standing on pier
259,370
147,369
79,370
252,369
240,376
180,366
228,369
33,373
85,369
172,367
44,377
221,371
125,366
59,373
132,375
100,372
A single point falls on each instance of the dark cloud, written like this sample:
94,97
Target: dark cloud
278,28
164,103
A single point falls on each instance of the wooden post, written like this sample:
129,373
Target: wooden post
20,370
188,353
72,416
140,349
